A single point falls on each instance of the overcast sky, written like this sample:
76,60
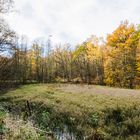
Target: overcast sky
71,21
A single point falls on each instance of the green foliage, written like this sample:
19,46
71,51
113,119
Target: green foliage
95,120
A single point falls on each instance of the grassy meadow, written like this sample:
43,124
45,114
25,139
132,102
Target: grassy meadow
85,111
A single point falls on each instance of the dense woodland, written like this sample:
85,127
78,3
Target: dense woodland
113,62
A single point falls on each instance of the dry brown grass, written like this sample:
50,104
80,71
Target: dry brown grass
95,89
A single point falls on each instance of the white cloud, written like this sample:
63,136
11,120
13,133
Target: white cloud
71,20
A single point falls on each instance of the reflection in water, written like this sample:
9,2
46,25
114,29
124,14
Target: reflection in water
65,135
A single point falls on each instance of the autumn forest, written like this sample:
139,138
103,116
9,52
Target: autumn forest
113,62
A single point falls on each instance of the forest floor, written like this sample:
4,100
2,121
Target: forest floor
83,102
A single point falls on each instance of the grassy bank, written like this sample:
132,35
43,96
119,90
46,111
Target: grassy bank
91,112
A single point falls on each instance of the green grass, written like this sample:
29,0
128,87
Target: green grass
73,102
92,111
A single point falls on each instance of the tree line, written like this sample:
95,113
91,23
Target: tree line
113,62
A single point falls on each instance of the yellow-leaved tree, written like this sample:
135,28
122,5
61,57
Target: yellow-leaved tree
120,66
89,61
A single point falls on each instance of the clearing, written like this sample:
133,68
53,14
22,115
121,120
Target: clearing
86,111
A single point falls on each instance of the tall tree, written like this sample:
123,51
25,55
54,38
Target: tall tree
121,63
